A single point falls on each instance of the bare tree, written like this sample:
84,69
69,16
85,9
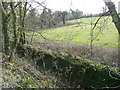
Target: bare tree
113,12
62,15
12,12
116,20
14,23
1,38
5,27
22,15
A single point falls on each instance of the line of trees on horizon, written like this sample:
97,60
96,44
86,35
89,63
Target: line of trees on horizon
47,18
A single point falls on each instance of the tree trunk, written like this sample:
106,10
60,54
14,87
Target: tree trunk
1,38
119,50
116,20
20,23
5,29
14,24
24,15
115,16
63,20
22,20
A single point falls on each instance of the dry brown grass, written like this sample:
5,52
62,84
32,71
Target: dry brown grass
107,56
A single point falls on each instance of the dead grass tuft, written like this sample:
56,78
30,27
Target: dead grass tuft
107,56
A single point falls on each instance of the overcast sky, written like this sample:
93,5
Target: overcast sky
87,6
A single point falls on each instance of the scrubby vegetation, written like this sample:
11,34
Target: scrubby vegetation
40,68
106,56
21,73
43,50
76,39
78,72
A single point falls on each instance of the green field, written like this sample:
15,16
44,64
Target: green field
80,33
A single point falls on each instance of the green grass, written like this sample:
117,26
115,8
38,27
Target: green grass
80,33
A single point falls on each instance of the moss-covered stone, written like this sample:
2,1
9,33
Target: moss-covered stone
76,70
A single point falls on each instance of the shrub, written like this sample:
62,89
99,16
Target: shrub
76,70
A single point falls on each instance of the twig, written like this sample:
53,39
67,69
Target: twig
99,19
92,37
106,87
113,77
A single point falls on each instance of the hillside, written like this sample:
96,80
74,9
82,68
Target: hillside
38,68
21,73
80,33
66,43
76,39
43,48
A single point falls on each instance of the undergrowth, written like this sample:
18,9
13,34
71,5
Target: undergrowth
106,56
20,73
33,67
77,71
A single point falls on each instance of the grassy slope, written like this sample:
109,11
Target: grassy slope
80,33
21,73
75,70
